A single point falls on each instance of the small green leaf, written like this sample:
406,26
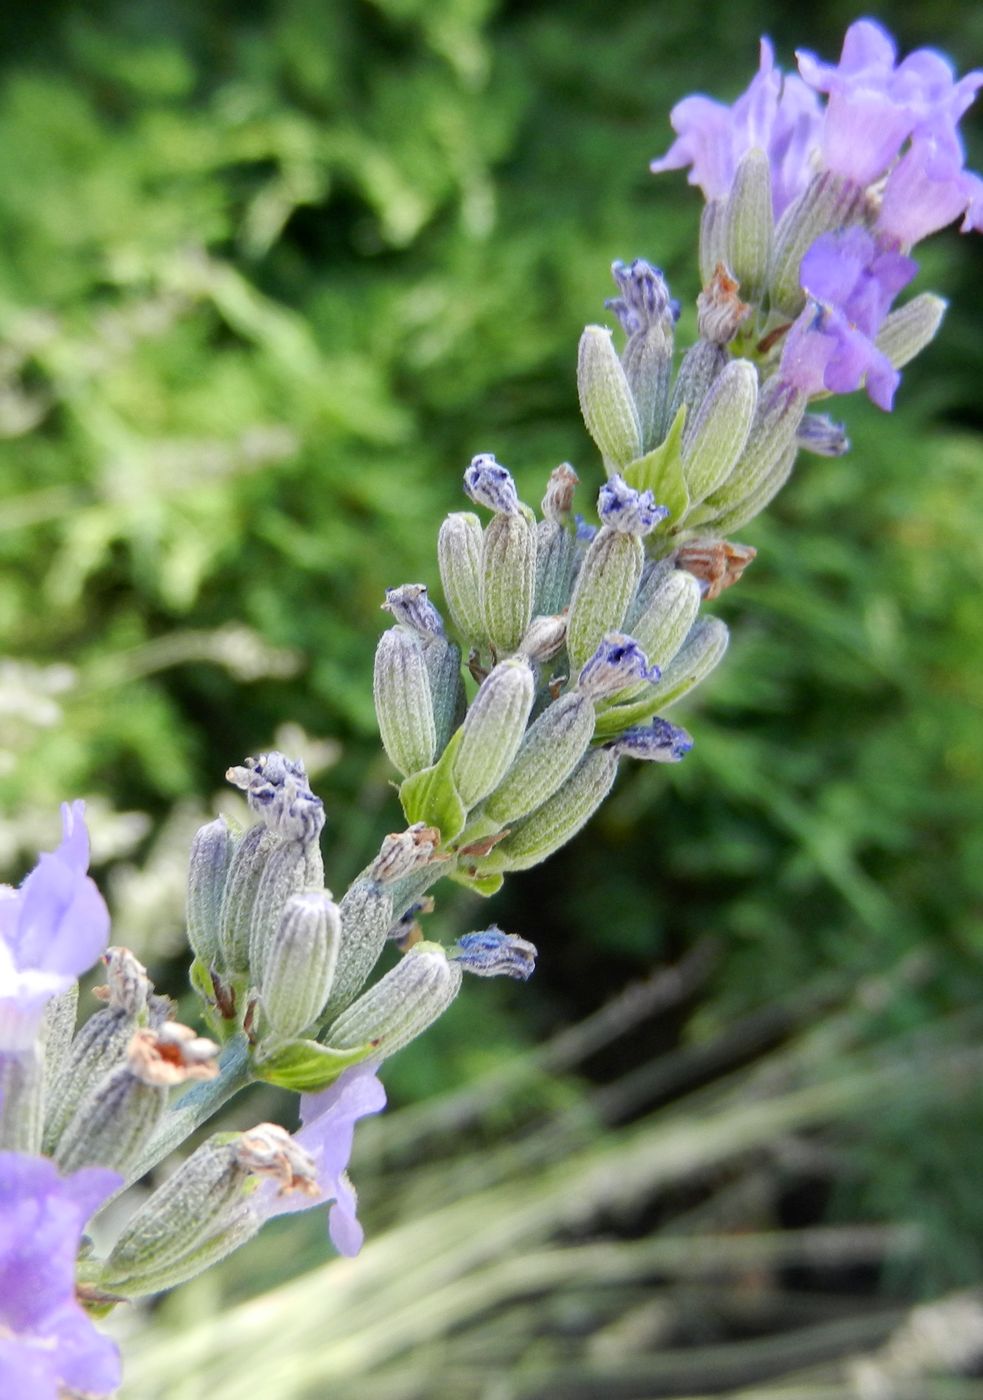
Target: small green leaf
305,1066
481,884
430,796
661,471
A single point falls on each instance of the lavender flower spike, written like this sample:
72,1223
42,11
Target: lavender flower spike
617,663
47,1343
492,953
657,742
627,510
777,113
52,929
410,605
328,1132
490,484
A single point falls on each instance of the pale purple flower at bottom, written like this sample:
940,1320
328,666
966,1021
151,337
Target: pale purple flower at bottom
47,1342
328,1130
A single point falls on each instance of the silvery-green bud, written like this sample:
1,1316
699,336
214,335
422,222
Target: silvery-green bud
713,238
403,702
257,896
749,224
57,1030
717,433
558,500
699,654
648,315
700,367
551,749
545,639
776,422
459,561
117,1118
401,1005
300,962
828,202
606,400
211,855
662,615
557,820
907,331
443,662
367,915
603,592
556,560
493,729
508,579
765,490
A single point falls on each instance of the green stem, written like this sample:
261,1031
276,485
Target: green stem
21,1101
198,1105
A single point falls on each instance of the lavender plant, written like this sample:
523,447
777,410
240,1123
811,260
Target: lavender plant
578,637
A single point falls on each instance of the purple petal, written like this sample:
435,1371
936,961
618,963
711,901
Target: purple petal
926,190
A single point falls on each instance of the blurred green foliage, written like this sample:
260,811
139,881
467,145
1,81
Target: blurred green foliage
270,274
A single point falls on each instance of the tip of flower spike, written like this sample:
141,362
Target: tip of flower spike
492,953
623,508
618,662
410,605
644,299
657,742
277,790
490,484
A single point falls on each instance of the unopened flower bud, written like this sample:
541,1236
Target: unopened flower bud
657,742
508,579
606,400
749,225
459,561
277,790
266,869
720,312
492,953
559,493
718,564
366,911
557,820
490,484
716,435
648,314
545,639
700,653
779,412
603,591
493,729
211,855
907,331
442,659
556,560
401,1005
617,663
662,613
818,434
299,965
828,202
403,701
553,746
713,238
631,512
410,606
766,487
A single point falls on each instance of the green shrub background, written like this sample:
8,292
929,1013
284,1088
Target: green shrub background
270,273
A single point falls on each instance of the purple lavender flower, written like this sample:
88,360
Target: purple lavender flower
46,1340
927,189
657,742
618,662
777,113
851,279
410,604
492,953
54,927
644,299
490,484
328,1131
623,508
875,106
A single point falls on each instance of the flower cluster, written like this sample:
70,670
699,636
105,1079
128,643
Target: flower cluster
815,207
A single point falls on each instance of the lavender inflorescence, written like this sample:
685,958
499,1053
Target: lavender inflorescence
577,638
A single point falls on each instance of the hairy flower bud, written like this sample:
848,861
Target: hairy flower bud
779,412
277,790
492,953
713,238
443,662
545,639
906,331
648,314
493,729
603,592
623,508
556,560
410,606
700,653
553,746
557,820
657,742
367,914
717,433
617,663
208,866
749,228
490,484
829,202
401,1005
662,613
508,579
403,701
459,561
606,400
300,962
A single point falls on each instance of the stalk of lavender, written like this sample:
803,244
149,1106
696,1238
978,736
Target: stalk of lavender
578,638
